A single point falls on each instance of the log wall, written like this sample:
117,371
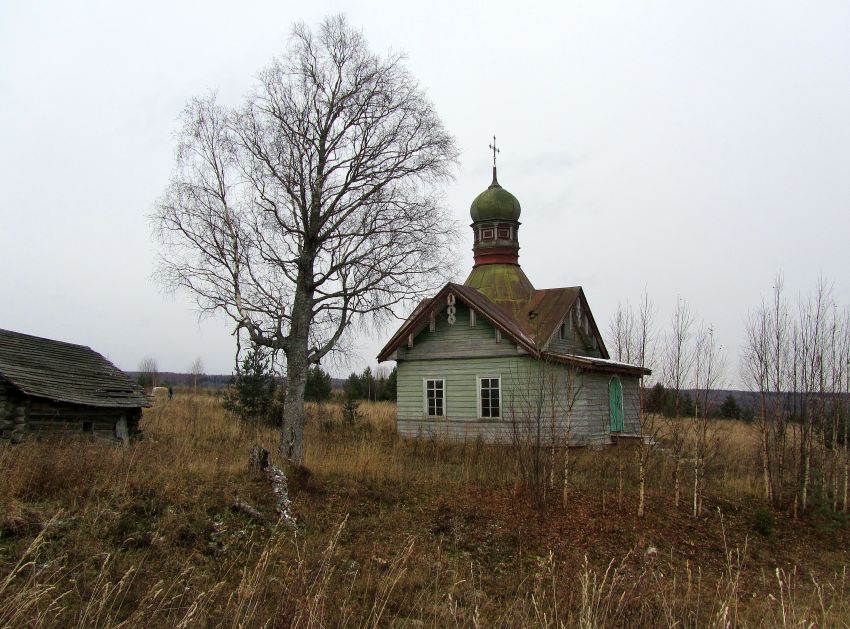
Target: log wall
20,415
13,413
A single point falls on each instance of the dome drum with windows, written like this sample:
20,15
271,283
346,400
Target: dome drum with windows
495,225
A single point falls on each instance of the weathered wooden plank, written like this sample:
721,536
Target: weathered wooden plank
573,341
459,339
521,377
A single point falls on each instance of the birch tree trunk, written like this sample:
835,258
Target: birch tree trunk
846,479
696,488
780,441
765,453
676,471
807,467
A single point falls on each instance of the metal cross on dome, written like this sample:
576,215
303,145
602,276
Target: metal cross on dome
495,151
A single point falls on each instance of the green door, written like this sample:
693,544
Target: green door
615,403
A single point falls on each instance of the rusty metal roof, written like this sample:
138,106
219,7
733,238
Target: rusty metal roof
605,365
509,288
550,306
64,372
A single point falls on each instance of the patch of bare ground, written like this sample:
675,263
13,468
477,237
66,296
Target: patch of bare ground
392,532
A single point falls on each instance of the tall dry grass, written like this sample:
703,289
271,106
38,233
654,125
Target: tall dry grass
393,532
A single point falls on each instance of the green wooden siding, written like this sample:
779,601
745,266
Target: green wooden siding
451,341
573,340
459,355
590,421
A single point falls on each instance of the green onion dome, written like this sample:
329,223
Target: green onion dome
495,204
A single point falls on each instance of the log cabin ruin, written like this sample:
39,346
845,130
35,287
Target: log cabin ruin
52,386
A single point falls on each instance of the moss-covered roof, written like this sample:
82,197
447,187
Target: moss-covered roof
495,204
506,285
64,372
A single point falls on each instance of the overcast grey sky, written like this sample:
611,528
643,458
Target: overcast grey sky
692,148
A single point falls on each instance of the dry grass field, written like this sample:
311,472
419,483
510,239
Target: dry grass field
394,532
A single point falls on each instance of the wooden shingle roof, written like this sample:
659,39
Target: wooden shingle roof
533,334
64,372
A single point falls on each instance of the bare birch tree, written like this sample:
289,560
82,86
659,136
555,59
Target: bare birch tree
778,377
809,357
312,206
677,366
540,410
755,369
766,369
633,332
633,336
149,373
709,368
197,373
645,346
844,404
621,330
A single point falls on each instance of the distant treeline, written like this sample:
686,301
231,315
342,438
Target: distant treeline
212,381
365,385
722,404
174,379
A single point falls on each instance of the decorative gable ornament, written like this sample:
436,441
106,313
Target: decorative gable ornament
451,310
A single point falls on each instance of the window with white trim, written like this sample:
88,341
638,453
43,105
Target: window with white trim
490,397
435,398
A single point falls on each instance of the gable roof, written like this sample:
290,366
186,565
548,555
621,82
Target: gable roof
497,316
551,307
64,372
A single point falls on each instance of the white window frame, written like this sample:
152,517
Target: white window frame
425,382
478,394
